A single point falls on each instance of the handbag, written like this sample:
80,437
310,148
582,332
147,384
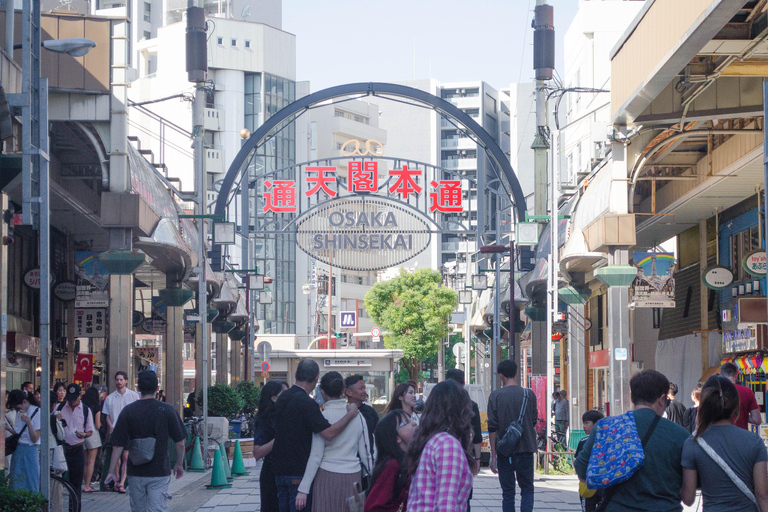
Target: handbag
356,502
58,460
738,482
12,441
506,445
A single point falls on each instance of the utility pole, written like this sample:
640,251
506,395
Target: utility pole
544,64
197,66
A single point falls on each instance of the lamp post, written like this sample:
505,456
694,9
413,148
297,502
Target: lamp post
36,186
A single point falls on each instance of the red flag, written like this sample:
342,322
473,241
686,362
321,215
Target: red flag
84,369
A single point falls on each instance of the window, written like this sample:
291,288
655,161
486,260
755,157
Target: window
147,34
148,12
247,43
234,42
220,40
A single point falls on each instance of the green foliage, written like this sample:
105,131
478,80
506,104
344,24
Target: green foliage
222,401
414,309
250,394
20,500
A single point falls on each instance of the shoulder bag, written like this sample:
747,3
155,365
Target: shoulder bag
142,449
12,442
366,475
738,482
506,445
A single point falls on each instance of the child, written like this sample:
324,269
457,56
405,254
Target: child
590,498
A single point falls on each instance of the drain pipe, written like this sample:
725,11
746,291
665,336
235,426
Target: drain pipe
97,147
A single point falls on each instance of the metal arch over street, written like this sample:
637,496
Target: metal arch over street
492,149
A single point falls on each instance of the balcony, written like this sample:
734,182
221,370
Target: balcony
462,164
458,143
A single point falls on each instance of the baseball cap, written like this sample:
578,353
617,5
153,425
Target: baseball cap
73,392
147,382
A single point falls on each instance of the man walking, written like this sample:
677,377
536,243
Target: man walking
562,415
504,407
675,410
78,425
749,411
148,418
297,417
113,406
656,485
354,388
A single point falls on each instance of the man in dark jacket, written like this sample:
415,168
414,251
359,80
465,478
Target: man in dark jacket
675,410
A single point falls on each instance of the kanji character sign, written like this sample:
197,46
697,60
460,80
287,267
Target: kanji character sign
405,184
325,175
447,198
364,176
281,198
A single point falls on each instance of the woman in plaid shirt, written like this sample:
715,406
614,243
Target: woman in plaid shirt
441,455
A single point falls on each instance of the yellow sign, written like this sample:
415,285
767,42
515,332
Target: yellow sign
372,148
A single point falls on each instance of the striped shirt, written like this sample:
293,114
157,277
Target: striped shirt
443,480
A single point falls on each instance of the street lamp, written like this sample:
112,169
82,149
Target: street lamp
35,159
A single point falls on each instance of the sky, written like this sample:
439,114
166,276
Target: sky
346,41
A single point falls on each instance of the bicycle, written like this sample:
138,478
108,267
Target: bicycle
558,444
63,495
194,429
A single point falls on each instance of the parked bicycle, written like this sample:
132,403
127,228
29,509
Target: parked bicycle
558,444
194,427
62,494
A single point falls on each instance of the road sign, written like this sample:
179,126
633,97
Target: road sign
375,335
621,354
264,349
348,319
265,366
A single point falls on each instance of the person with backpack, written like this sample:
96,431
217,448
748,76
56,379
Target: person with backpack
656,484
730,461
78,426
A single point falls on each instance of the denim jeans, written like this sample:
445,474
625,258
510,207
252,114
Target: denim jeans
517,467
287,489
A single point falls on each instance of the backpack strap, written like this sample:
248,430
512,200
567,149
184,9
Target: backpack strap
525,404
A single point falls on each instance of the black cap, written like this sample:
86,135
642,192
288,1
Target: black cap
147,382
73,392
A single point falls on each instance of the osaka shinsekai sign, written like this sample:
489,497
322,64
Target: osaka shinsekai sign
365,214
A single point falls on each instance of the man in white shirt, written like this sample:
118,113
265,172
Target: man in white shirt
113,405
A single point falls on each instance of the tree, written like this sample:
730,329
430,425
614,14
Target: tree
222,401
414,310
250,394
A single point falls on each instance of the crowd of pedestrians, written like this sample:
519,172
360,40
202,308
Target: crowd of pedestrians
316,458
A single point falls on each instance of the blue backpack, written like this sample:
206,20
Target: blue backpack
617,452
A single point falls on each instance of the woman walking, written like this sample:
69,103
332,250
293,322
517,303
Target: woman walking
263,439
441,455
730,461
92,443
25,464
404,397
334,466
389,482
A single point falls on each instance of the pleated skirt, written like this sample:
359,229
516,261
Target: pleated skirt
331,490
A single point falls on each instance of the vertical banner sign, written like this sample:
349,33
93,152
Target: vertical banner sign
654,286
90,323
84,369
92,281
539,388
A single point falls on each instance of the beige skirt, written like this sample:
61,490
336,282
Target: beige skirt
331,490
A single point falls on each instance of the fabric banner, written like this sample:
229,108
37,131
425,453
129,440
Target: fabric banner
679,359
84,369
654,286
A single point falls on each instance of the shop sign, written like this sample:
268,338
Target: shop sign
23,344
65,291
654,286
154,326
32,278
363,233
346,362
90,323
717,277
599,359
746,338
755,263
92,280
150,354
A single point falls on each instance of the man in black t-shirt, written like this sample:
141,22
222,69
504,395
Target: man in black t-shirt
297,417
354,388
148,418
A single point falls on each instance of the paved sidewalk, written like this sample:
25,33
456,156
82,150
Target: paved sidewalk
553,494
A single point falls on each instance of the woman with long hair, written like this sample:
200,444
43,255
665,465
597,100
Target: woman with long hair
263,440
25,463
91,443
441,456
404,397
334,466
389,481
719,442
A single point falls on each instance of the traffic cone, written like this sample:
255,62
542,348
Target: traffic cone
218,475
225,460
238,468
196,462
188,450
